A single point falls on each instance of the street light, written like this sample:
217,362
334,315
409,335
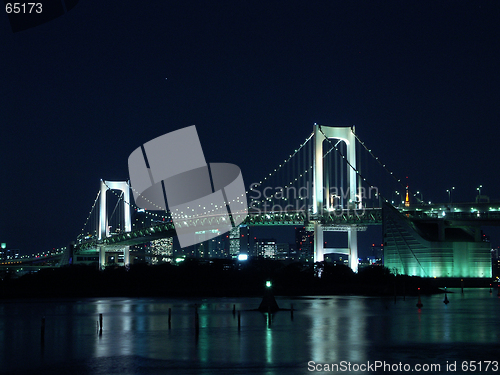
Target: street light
397,193
479,189
421,196
449,193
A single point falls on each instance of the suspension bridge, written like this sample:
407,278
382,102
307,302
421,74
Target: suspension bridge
331,182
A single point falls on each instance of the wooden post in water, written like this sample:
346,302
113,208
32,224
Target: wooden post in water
196,320
100,324
42,331
169,317
395,292
446,300
419,303
234,310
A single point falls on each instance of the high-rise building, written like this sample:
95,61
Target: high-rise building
494,253
265,248
216,248
208,246
138,219
234,242
292,254
204,245
161,250
304,241
282,251
376,253
8,254
239,240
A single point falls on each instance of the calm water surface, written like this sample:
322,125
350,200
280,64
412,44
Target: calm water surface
136,338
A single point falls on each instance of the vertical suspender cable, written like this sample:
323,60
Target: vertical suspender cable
342,174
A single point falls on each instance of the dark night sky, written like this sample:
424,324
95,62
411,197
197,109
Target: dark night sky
420,81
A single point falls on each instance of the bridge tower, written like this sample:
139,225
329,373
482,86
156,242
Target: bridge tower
103,216
321,197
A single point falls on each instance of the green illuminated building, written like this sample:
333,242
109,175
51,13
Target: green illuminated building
434,247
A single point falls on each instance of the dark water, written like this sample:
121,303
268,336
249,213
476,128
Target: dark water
136,338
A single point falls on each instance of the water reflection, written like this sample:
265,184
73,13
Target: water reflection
269,345
326,329
338,329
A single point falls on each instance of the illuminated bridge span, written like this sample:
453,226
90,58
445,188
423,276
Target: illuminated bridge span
339,221
321,186
486,213
48,259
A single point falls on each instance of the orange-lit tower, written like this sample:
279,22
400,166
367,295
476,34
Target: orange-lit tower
407,198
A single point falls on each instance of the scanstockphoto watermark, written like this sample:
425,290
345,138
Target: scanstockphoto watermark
400,367
298,199
304,192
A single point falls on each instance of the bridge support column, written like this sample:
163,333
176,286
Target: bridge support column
103,215
345,134
319,251
126,255
318,172
352,243
102,257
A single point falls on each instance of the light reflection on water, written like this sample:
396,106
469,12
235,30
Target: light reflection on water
136,337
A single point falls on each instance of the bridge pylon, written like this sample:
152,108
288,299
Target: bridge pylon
124,187
321,196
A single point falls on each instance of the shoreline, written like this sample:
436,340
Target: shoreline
195,279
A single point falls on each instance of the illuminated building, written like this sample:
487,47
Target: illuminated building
265,248
239,240
434,247
210,244
8,254
282,251
161,250
304,241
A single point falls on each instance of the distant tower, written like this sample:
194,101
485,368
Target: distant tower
407,198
